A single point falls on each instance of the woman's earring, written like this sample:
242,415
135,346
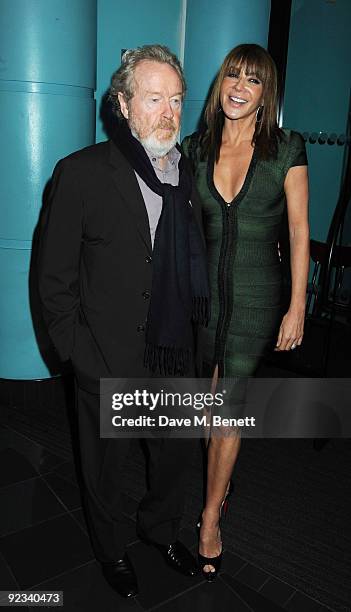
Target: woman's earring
259,114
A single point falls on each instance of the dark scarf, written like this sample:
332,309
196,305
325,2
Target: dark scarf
180,289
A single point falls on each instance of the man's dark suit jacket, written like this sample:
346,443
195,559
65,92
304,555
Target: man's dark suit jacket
95,264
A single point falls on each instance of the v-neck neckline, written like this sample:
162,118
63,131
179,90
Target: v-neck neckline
239,196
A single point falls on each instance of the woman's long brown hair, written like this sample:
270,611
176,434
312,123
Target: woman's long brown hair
257,61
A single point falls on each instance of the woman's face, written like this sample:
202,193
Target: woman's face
241,93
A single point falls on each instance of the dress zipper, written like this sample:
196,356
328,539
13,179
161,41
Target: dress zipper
224,292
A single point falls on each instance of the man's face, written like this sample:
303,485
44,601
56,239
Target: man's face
153,113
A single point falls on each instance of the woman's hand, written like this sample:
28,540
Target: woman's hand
291,330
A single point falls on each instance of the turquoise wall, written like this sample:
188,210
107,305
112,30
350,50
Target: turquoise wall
124,25
317,95
190,29
47,82
212,29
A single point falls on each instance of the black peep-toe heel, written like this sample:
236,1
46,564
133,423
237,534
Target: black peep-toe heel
215,561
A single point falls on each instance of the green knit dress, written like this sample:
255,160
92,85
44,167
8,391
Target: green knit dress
243,258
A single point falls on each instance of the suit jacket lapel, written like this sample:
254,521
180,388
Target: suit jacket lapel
126,183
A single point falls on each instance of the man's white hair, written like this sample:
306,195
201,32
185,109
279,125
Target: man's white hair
122,80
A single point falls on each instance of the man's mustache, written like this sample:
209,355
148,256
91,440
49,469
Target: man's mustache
166,124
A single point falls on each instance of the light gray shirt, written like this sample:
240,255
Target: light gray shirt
153,201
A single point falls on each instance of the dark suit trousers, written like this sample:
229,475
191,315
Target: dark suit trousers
102,463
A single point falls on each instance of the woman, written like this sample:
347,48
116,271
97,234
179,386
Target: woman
248,171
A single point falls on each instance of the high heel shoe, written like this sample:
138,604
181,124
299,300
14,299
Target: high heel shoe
215,561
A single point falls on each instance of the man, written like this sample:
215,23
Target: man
118,281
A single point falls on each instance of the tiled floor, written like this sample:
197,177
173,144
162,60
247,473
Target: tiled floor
44,546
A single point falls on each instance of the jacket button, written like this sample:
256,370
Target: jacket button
146,295
148,259
141,328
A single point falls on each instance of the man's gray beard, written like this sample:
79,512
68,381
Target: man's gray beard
154,146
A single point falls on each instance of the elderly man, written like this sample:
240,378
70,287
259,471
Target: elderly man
122,278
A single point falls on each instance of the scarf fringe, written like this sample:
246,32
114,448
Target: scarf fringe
167,361
201,311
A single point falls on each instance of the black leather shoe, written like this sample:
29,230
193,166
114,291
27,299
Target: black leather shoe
216,564
121,577
178,557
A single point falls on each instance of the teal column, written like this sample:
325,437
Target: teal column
212,29
316,100
47,82
122,27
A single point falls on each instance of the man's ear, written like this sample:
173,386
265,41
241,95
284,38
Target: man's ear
123,105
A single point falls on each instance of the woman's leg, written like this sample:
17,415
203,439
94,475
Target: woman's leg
223,448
